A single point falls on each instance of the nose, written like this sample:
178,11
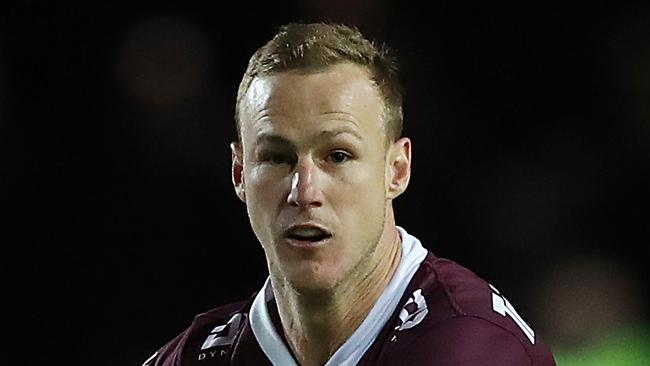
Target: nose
305,186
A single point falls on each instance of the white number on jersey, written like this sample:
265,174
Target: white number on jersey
503,307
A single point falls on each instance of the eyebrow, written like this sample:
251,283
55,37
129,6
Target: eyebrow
269,138
280,140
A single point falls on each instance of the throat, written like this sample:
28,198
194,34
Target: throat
315,330
317,323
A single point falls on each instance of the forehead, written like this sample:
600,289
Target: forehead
311,99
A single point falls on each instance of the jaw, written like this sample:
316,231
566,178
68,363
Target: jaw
309,271
331,271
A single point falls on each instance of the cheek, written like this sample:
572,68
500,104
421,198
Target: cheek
265,186
264,195
368,182
263,198
361,195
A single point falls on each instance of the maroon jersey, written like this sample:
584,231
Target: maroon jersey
447,316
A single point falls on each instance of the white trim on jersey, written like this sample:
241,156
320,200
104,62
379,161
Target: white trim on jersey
351,351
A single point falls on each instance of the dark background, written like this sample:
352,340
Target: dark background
531,145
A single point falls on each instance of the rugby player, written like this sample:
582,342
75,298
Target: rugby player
318,161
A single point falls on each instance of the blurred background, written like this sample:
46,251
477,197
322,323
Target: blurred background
531,165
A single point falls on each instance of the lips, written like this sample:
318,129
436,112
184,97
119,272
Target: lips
307,235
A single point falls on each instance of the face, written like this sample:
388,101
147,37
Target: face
314,153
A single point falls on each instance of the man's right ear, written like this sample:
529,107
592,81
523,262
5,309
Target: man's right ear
238,170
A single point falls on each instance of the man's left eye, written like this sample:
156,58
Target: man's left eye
339,157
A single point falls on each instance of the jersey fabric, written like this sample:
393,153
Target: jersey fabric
446,316
353,349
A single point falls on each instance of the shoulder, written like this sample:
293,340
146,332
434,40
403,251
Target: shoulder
457,318
453,291
212,326
469,341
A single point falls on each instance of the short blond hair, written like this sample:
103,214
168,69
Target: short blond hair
317,46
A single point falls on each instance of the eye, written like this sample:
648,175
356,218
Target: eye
339,157
274,157
277,158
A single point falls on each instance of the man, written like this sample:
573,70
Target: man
317,163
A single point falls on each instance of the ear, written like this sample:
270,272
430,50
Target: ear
238,170
398,172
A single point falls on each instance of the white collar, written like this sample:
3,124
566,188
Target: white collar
351,351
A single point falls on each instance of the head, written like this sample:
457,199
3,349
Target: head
316,46
319,119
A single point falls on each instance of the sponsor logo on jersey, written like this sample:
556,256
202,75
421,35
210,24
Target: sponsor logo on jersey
413,311
222,335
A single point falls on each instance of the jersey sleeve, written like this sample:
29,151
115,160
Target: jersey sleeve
169,354
192,346
469,341
456,318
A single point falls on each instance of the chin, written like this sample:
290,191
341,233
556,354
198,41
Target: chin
313,278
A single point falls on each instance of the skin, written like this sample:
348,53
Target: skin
343,181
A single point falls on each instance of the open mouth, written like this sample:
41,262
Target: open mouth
307,234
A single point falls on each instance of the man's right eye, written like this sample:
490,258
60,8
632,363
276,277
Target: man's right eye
275,158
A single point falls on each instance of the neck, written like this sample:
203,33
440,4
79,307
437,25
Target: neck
317,324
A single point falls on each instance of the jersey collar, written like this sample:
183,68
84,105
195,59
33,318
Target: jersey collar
351,351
